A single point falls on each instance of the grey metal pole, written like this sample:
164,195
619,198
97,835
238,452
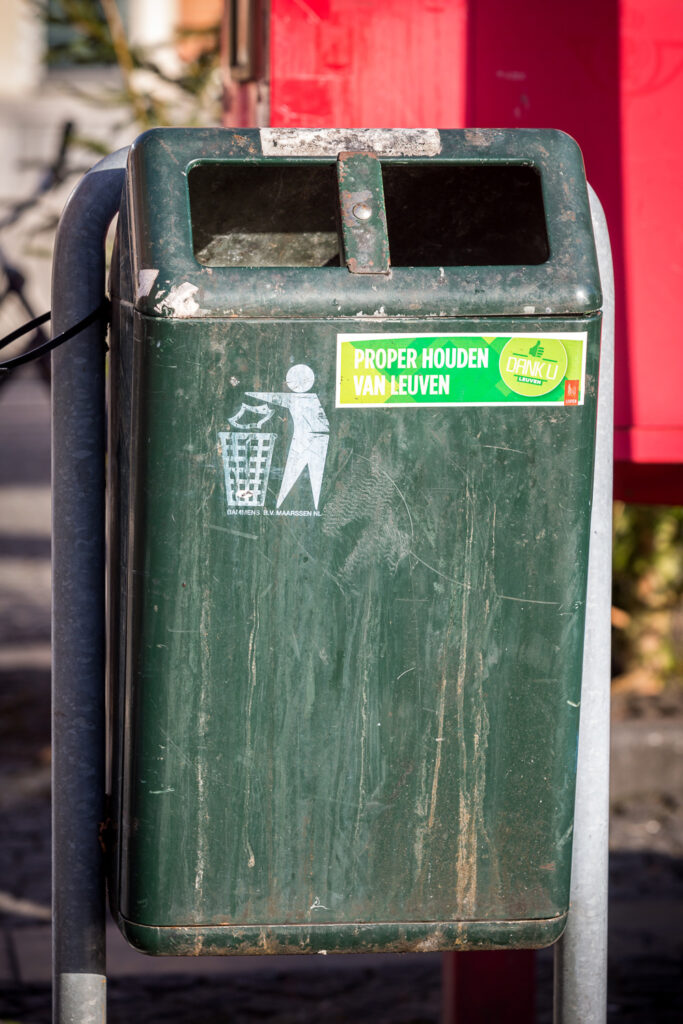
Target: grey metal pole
78,626
581,954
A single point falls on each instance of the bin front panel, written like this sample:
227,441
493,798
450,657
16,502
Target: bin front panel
353,645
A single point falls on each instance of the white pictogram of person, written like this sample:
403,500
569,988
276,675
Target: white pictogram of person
311,430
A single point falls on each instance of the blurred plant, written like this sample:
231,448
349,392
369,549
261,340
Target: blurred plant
648,596
182,84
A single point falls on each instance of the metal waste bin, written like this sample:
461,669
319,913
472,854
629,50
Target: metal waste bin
352,397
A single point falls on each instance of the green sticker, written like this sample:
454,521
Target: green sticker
533,366
413,370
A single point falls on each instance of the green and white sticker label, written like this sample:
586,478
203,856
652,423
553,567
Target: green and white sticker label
374,370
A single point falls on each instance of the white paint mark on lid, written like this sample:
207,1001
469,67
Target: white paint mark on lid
180,300
330,142
146,279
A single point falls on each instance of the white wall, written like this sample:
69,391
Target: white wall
21,48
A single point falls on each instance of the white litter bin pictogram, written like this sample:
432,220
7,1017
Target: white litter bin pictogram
247,455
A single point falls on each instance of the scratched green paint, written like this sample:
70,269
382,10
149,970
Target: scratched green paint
363,716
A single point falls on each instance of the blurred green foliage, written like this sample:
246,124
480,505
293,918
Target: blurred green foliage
648,594
77,33
85,33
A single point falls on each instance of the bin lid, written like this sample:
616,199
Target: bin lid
497,222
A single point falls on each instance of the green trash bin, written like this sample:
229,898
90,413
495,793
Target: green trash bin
353,396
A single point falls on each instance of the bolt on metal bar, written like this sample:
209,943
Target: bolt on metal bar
580,995
78,594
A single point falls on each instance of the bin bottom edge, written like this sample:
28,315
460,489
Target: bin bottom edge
398,937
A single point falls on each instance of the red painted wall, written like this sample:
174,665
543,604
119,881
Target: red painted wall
368,63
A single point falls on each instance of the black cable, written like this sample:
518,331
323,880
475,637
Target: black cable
30,326
102,312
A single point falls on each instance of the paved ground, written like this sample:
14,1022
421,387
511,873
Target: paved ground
646,902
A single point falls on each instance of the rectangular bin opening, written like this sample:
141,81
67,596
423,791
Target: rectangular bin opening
464,215
281,215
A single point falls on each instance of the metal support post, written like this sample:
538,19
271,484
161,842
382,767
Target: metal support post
78,594
581,954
